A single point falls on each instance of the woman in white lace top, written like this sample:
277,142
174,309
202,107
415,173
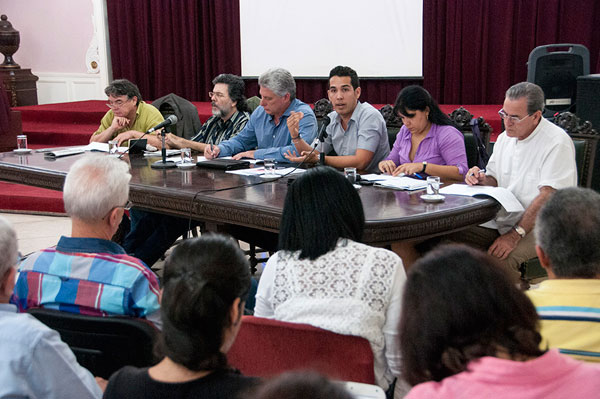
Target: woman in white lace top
323,276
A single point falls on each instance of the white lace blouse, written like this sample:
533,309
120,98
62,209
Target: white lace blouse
354,290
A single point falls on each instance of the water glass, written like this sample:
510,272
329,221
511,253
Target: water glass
433,185
350,174
22,142
186,155
113,146
270,167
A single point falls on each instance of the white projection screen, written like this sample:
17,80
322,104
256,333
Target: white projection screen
378,38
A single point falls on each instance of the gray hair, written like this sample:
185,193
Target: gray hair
568,231
8,247
531,91
94,185
280,81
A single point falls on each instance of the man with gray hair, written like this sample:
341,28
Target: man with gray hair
568,247
35,362
87,273
532,158
267,135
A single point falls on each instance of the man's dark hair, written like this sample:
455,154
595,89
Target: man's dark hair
459,305
202,278
416,98
345,71
236,89
568,231
123,87
321,206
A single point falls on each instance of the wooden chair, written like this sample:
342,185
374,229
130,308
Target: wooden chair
102,344
265,347
462,118
392,122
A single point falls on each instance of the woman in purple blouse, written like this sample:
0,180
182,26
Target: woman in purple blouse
428,142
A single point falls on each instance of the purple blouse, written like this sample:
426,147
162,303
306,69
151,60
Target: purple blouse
443,145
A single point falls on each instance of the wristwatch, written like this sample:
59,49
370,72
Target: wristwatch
424,166
520,231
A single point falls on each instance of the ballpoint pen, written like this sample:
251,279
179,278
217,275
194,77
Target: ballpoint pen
480,171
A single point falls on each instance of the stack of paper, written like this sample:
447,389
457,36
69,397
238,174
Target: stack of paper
396,182
505,197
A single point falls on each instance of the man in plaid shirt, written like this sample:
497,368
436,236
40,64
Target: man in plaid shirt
87,273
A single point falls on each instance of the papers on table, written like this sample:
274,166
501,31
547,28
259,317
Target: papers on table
395,182
158,153
506,198
66,151
261,171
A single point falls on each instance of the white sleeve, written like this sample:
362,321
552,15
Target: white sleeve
392,320
55,373
264,293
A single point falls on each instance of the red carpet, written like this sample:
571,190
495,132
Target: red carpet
63,124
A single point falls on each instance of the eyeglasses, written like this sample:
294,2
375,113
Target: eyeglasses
116,104
512,119
215,94
125,207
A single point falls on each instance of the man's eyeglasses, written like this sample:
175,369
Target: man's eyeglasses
512,119
215,94
116,104
125,207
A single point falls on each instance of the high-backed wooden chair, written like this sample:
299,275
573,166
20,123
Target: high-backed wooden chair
585,140
322,108
392,122
265,347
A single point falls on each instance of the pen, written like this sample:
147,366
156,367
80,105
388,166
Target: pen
481,171
211,148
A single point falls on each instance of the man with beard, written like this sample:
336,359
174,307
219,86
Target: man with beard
153,233
230,115
129,117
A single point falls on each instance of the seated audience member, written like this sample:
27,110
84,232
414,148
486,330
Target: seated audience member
357,132
467,331
532,158
87,273
428,142
152,233
35,362
206,281
267,135
300,385
568,237
230,115
323,276
129,117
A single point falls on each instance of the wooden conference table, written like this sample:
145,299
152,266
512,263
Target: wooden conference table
390,215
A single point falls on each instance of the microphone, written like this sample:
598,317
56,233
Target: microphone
171,119
322,133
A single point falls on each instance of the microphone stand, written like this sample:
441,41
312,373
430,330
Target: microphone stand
164,164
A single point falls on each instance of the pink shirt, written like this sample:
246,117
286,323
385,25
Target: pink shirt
443,145
551,375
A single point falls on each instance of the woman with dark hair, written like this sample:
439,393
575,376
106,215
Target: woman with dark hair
467,331
206,281
301,385
428,141
322,275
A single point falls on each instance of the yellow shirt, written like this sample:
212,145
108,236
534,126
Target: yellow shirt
146,118
569,310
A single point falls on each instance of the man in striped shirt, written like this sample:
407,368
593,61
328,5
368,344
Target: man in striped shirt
230,115
87,273
568,247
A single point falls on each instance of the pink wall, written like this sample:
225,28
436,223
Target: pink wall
55,34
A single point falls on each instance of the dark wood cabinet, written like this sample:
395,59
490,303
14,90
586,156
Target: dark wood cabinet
20,86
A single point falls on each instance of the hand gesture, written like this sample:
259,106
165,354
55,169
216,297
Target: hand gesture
293,123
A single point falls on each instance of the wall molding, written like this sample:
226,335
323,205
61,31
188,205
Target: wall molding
58,87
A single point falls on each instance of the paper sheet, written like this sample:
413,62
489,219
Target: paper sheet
506,198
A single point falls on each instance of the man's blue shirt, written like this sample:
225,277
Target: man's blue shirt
271,141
